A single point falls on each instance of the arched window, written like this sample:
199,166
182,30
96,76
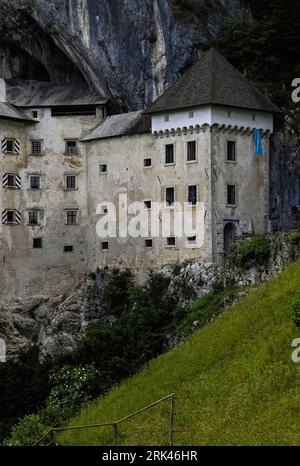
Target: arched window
230,233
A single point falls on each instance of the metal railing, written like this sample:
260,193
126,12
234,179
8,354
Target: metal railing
49,437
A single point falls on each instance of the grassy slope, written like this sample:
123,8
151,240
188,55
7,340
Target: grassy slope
235,381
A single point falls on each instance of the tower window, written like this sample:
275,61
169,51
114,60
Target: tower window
191,151
71,217
192,195
148,162
36,147
103,168
68,248
169,154
104,246
191,114
166,118
10,145
191,241
34,114
33,217
231,194
170,196
171,241
148,243
37,243
231,151
71,182
71,147
148,205
35,182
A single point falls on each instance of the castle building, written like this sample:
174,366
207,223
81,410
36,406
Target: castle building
204,141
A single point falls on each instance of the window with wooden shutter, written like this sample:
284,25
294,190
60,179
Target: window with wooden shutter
11,216
10,180
10,146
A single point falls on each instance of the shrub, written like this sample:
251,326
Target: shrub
296,309
255,250
26,432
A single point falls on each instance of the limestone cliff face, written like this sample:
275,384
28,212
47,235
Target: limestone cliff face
131,49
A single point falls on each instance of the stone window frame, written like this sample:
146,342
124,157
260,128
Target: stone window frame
147,242
104,246
38,212
35,175
227,140
171,246
171,164
147,167
196,151
68,210
236,195
66,181
35,242
36,141
76,152
197,194
106,169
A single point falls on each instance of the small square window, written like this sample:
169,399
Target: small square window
37,243
71,217
148,243
36,147
148,204
35,182
229,114
33,217
68,248
103,168
231,194
254,117
170,196
191,241
231,151
148,162
71,182
192,195
71,147
191,151
171,241
191,114
34,114
169,155
166,118
104,210
104,246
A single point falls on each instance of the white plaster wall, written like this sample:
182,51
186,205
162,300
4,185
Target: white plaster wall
212,115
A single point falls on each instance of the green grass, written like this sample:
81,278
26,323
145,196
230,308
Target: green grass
234,380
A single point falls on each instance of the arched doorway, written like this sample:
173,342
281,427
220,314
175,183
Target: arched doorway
230,233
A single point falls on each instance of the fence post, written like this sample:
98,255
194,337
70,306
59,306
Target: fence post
115,426
172,400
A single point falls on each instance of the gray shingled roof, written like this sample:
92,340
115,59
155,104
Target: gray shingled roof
10,112
212,80
45,94
121,125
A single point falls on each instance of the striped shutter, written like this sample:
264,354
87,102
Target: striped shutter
4,216
18,217
5,180
17,147
4,145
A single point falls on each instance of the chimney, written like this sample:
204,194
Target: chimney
2,90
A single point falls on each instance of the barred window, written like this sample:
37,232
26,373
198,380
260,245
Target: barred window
71,217
169,154
71,147
191,151
35,182
37,243
33,217
71,182
36,147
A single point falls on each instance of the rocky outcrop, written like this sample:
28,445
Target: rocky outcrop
129,49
